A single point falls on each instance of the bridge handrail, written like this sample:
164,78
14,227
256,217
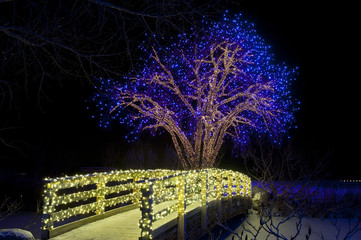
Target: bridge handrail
70,196
197,183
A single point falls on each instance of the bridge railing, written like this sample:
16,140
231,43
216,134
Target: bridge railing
185,188
90,197
81,199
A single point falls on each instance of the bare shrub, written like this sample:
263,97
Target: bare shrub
9,206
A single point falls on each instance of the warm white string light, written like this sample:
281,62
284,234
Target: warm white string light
151,187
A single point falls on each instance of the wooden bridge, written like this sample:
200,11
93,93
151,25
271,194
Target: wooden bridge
138,204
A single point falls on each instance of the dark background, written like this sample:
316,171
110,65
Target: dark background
321,39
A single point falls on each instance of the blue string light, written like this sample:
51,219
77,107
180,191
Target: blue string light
258,60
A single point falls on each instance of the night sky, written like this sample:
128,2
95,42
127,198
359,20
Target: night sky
322,40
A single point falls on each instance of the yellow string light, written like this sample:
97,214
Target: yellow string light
144,187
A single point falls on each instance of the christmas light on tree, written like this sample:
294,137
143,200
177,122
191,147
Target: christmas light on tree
219,81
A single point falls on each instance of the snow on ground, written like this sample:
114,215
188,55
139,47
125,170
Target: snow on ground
317,226
15,233
288,229
30,221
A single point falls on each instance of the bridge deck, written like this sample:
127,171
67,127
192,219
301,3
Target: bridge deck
120,226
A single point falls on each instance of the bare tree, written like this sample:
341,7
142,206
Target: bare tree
288,193
268,226
46,44
284,206
353,228
280,170
292,227
9,207
47,41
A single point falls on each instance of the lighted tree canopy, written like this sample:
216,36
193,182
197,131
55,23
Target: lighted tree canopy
221,81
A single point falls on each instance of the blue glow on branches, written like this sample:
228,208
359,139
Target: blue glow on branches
256,67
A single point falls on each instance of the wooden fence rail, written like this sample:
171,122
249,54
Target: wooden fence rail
87,198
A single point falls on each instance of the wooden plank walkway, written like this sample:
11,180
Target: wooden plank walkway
120,226
124,224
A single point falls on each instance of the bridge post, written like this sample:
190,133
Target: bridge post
238,190
244,190
182,190
204,204
47,211
230,193
101,195
219,192
136,189
146,208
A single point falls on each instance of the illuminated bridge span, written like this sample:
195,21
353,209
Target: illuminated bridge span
138,204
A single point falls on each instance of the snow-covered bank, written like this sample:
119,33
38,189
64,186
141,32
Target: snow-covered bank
15,233
319,228
30,221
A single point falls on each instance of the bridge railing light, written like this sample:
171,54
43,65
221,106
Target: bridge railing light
69,196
